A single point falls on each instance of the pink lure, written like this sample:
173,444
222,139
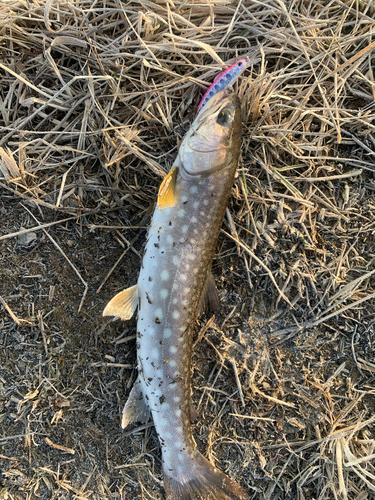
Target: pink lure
226,78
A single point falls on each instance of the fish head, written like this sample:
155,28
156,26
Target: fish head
213,141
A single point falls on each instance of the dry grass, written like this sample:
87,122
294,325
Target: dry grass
94,99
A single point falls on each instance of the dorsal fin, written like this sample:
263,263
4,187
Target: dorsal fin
123,304
209,299
166,195
193,412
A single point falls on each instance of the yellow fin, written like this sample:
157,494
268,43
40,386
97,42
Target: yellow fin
123,304
166,196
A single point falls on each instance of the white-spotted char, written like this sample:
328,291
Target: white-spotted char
174,285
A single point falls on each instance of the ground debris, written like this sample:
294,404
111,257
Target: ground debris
94,100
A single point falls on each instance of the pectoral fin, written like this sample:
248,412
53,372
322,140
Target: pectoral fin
136,408
123,304
210,299
166,196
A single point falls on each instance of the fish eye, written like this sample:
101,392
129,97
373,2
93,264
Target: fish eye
224,117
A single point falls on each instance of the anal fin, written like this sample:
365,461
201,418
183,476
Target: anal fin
136,408
123,304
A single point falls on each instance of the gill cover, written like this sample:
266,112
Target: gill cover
209,144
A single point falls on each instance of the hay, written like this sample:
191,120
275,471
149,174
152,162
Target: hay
94,100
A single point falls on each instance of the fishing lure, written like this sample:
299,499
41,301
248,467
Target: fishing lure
226,78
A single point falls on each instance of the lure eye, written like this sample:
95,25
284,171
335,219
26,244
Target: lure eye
225,117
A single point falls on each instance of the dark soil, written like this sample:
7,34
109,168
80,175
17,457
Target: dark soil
57,385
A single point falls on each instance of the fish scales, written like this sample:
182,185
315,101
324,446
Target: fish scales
179,251
175,269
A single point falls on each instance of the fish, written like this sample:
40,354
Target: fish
175,285
226,78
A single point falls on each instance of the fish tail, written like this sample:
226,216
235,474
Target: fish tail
202,481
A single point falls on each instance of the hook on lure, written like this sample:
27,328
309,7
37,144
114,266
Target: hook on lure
226,78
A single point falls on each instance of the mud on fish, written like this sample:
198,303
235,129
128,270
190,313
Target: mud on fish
175,285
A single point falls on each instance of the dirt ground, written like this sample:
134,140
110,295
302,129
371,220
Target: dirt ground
66,374
95,98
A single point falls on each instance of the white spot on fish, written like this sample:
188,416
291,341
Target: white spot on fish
159,313
187,289
183,277
178,414
170,239
167,333
193,219
176,260
176,399
167,435
173,349
175,300
205,202
196,204
155,353
175,314
164,275
164,293
184,228
181,213
193,189
184,199
172,363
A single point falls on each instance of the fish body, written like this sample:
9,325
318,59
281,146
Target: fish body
173,284
226,78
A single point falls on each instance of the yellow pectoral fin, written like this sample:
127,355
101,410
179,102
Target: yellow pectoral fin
123,304
166,196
